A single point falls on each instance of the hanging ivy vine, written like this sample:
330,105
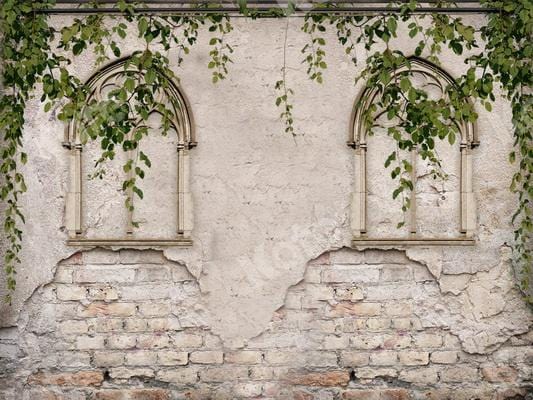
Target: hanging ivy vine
35,55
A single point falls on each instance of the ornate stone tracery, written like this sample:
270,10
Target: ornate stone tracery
435,80
100,84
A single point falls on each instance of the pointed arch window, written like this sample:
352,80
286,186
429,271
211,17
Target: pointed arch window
440,214
95,210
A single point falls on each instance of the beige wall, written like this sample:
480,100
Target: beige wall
265,205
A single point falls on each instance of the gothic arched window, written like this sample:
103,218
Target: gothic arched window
440,212
95,210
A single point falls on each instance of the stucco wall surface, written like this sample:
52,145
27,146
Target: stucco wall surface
269,301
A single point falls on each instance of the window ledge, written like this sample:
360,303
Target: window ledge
85,242
364,241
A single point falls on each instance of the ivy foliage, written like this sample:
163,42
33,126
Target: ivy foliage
36,55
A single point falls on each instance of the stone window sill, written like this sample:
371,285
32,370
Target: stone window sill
85,242
364,241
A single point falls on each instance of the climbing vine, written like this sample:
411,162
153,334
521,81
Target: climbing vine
36,58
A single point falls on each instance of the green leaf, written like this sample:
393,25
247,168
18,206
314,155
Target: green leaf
142,26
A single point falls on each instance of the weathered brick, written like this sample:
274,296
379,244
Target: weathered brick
414,357
459,374
243,357
223,374
181,376
104,275
271,390
350,273
154,341
108,359
121,342
444,357
130,256
378,324
102,293
427,340
399,308
401,323
164,324
80,378
207,357
154,309
140,358
396,273
367,342
145,292
522,354
346,256
420,375
376,394
389,292
108,309
9,351
354,359
349,294
326,378
302,395
384,358
304,359
187,340
248,389
172,358
107,324
280,357
385,257
343,309
373,373
100,256
332,342
500,374
133,394
71,293
73,359
136,325
44,394
73,327
354,325
396,342
152,273
262,373
89,342
127,373
318,292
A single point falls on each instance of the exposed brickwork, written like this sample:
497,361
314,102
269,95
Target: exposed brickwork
129,326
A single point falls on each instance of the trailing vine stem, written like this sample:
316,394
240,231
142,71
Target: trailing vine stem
30,61
284,99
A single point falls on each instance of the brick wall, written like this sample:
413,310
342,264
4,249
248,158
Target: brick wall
131,325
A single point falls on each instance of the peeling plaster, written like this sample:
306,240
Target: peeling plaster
264,205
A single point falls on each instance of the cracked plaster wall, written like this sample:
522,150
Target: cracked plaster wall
264,204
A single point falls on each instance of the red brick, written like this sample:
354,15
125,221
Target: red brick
111,309
377,394
328,378
300,395
346,309
81,378
499,374
134,394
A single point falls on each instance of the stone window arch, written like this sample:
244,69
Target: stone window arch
171,221
435,78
